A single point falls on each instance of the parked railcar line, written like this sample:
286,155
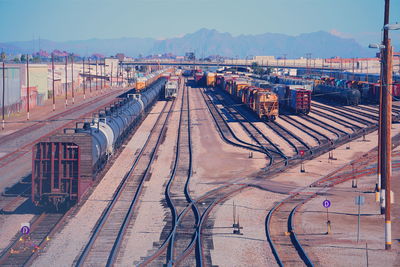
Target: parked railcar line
107,235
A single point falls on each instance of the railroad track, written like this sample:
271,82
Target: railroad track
276,155
345,123
21,251
321,138
375,109
182,242
184,234
295,141
334,130
280,228
342,113
223,128
106,237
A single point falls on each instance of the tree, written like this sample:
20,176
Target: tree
257,69
23,58
16,60
3,56
35,59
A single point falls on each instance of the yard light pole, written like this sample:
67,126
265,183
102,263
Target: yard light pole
72,78
52,74
27,87
83,76
66,81
4,89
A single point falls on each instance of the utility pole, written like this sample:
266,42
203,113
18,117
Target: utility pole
4,89
386,124
90,78
122,74
101,76
118,70
96,76
66,81
27,86
52,72
83,76
72,78
111,74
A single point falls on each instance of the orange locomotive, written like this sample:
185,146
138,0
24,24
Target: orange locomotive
262,101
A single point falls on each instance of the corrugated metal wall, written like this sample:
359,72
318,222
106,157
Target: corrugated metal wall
12,99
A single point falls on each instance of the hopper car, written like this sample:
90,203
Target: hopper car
171,89
65,165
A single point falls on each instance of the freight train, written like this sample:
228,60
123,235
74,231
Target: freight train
65,165
261,100
144,82
348,92
295,98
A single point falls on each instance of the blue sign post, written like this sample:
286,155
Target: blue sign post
25,230
326,203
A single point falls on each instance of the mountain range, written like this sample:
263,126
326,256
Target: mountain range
206,42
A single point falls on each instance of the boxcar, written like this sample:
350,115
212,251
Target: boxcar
199,78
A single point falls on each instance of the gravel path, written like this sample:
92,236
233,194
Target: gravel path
251,248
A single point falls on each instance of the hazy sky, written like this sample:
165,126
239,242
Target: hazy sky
62,20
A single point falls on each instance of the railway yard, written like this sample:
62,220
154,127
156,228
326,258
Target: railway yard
202,175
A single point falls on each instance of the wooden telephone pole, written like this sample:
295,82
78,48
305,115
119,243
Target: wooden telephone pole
385,126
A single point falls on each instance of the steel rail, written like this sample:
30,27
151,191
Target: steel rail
119,191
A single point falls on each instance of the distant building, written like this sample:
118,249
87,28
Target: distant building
190,56
120,56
